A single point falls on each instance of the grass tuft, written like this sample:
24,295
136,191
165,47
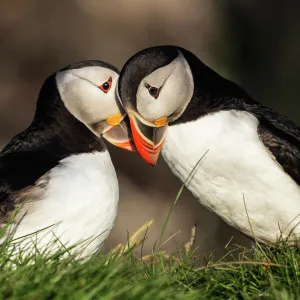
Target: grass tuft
266,273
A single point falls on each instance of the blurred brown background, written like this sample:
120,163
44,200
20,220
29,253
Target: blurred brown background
255,43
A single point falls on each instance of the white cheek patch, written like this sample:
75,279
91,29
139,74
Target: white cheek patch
177,87
95,74
80,92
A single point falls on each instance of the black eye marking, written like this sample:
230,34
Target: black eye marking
106,86
153,91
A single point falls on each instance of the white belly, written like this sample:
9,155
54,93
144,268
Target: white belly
81,201
237,165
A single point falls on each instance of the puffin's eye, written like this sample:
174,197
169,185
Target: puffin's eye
153,91
106,86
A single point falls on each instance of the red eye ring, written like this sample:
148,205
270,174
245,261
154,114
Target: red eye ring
153,91
106,86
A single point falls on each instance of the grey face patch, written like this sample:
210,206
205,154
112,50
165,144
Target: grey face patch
140,66
80,91
176,85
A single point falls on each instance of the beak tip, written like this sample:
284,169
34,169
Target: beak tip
152,161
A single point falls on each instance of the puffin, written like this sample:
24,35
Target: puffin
239,158
58,185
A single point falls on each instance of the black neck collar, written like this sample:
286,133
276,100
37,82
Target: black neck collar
212,92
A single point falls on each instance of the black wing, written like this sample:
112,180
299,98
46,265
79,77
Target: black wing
17,204
281,136
19,171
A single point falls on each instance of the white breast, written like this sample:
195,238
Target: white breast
236,165
81,199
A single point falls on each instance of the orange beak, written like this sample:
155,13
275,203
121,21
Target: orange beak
119,135
148,140
127,145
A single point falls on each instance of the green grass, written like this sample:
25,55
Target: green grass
240,274
263,273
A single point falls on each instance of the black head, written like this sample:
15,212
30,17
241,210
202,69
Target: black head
84,93
138,67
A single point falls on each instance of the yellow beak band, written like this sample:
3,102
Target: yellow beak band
114,120
161,122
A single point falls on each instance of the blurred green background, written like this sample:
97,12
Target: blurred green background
255,43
